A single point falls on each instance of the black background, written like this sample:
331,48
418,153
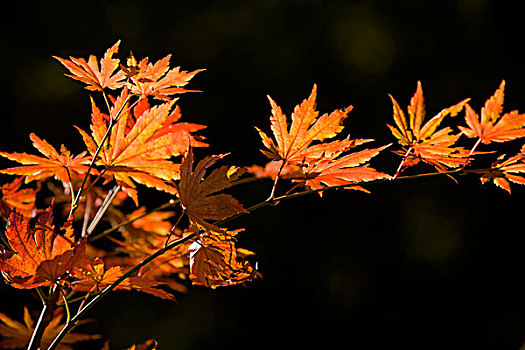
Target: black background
419,264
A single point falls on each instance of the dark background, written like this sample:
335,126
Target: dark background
421,264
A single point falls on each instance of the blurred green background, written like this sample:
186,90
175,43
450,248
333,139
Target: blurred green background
425,264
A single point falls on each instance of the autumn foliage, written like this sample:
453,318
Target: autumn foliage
138,138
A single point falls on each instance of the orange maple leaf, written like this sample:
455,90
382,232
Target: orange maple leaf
294,146
345,170
503,171
158,80
93,276
54,165
139,145
145,236
22,200
494,127
425,142
214,262
40,256
16,335
89,72
196,193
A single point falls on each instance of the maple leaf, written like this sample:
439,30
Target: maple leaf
139,145
158,80
41,256
93,276
214,262
425,142
345,170
155,223
294,145
89,72
503,171
271,169
22,200
492,126
16,335
54,164
196,193
146,236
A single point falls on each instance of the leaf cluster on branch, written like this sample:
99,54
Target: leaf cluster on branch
138,139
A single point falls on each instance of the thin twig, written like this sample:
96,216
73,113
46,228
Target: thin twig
471,153
87,213
41,295
66,306
173,228
103,208
272,194
45,317
400,167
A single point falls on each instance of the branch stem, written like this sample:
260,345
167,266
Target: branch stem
45,318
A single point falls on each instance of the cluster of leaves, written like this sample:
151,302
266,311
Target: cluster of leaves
438,147
140,141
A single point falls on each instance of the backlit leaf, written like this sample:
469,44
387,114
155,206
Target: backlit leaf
42,256
53,165
492,126
89,72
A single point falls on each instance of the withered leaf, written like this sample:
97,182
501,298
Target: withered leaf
196,192
214,262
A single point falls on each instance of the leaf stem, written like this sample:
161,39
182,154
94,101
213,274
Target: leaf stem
471,153
272,194
400,167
